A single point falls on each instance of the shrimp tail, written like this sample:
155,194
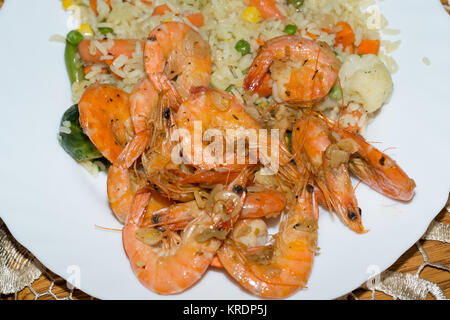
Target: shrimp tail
132,151
255,75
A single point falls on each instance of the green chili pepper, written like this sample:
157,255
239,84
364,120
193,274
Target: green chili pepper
245,70
74,37
74,64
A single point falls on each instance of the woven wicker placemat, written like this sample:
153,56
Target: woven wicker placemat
422,272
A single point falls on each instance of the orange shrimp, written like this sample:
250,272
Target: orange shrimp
302,70
120,192
177,58
168,262
144,101
105,119
376,169
208,176
256,205
172,264
221,111
313,146
280,269
263,204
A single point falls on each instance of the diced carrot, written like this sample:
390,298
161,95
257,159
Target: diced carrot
345,37
196,19
311,35
369,46
315,36
267,8
161,10
260,41
120,46
148,2
93,4
264,90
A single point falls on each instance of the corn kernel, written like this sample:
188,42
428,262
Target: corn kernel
251,15
66,4
86,30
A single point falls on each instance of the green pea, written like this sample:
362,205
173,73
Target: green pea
290,29
336,93
230,88
74,37
296,3
243,47
105,30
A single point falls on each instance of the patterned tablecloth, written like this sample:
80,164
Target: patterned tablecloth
422,272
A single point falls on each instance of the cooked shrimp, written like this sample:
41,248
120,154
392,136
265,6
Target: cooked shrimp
376,169
105,119
263,204
313,145
218,110
208,177
120,192
280,269
177,58
302,70
144,101
172,264
256,205
163,174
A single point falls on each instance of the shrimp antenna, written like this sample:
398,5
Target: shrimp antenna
106,229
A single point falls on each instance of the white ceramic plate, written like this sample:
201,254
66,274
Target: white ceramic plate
51,204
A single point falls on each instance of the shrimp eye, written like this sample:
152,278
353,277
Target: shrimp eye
351,215
155,218
166,113
238,189
382,160
309,188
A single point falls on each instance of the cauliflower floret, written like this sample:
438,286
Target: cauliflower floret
366,80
